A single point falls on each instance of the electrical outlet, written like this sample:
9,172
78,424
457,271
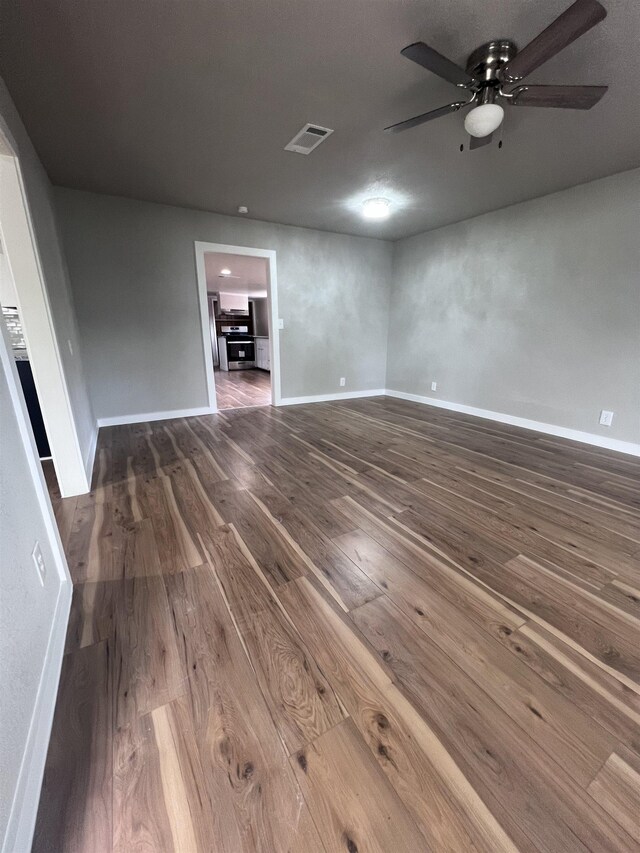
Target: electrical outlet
343,381
434,386
281,324
606,418
38,559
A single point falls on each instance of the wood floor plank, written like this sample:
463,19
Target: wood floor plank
351,798
590,687
238,388
328,562
566,609
146,664
623,595
529,792
421,576
336,625
302,703
134,550
277,557
161,797
89,554
240,750
428,782
75,811
554,722
301,700
93,613
617,788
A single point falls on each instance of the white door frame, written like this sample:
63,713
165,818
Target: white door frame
272,297
19,242
24,808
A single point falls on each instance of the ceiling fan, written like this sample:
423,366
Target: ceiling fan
497,64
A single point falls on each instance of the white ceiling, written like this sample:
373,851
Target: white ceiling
192,103
248,275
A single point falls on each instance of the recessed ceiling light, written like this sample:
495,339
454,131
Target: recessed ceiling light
376,208
225,271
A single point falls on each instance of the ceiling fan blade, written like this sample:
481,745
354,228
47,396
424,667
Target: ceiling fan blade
416,120
437,63
572,23
479,141
563,97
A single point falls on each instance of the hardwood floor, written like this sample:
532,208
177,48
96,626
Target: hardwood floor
356,626
237,389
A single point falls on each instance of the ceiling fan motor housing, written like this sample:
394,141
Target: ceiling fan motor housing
486,61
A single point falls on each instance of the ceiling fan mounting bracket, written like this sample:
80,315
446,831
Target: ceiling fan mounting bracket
486,61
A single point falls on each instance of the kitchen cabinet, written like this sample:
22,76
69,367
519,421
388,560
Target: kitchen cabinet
263,354
234,303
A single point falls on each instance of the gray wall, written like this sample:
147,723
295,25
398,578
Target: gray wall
27,616
132,267
533,310
40,199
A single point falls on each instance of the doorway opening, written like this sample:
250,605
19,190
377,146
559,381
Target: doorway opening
26,315
238,303
20,354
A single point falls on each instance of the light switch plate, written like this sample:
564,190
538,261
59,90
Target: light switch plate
38,559
281,324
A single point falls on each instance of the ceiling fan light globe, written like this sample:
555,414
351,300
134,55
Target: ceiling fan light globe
483,120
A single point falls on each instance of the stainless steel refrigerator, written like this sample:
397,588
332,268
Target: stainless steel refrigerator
212,331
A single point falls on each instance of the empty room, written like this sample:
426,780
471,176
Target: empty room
320,426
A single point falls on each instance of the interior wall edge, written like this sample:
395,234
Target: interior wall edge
24,809
523,203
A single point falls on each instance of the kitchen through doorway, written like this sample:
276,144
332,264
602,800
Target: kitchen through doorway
239,310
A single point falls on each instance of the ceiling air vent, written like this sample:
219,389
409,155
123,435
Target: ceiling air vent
308,138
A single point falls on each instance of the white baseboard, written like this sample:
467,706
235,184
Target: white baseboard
593,439
323,398
24,809
538,426
143,417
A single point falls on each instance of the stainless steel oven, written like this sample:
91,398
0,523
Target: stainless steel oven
237,348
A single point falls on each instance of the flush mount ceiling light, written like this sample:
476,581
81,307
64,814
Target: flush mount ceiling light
497,65
225,271
243,209
483,120
376,208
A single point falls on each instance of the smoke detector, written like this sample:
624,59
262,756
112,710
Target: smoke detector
308,138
